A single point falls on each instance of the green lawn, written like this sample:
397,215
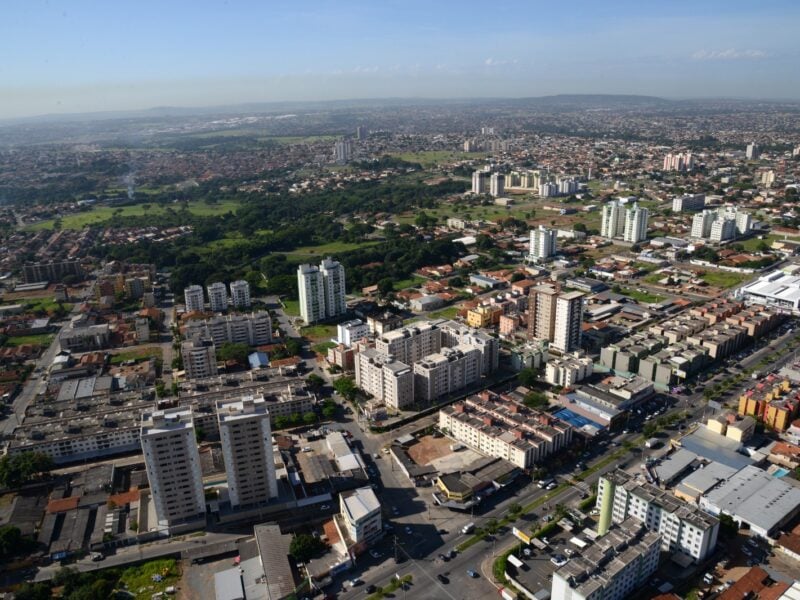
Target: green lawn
323,347
752,244
407,283
432,157
139,580
642,296
724,279
451,312
322,333
328,249
42,339
291,308
137,354
100,214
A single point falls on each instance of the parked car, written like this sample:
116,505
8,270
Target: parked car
442,578
472,573
371,589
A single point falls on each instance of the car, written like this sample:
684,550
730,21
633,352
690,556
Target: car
443,557
97,556
545,541
569,552
325,507
551,486
356,581
472,573
527,552
371,589
408,529
442,578
452,554
746,551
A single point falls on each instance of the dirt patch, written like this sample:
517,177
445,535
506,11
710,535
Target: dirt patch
428,449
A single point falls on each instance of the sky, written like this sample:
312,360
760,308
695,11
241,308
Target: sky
63,56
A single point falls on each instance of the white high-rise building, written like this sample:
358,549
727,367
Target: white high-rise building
342,151
543,244
193,297
701,224
445,372
334,281
480,182
768,178
246,439
253,329
497,185
388,380
568,319
567,186
199,358
349,332
548,190
722,229
173,468
753,151
688,202
635,224
311,288
613,222
679,162
744,222
411,343
218,297
240,294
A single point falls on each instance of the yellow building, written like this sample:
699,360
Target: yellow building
483,316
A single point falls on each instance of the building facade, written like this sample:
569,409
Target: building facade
321,290
543,244
568,319
635,224
445,372
199,358
218,297
240,294
193,298
387,379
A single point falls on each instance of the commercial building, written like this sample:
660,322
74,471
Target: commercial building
568,370
254,329
688,202
543,244
506,429
173,469
445,372
635,224
683,528
218,297
322,291
193,298
779,288
246,437
390,381
359,519
567,325
610,567
52,271
199,358
350,332
240,294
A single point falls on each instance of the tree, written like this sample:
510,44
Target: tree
763,246
649,429
492,526
385,286
281,422
517,277
579,227
527,377
346,386
329,410
484,242
10,541
536,400
19,469
309,418
229,351
304,547
33,591
315,383
514,508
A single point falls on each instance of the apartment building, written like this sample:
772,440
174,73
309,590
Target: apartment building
321,290
542,312
497,185
445,372
199,358
254,329
567,325
388,380
193,298
480,182
411,343
683,528
568,370
240,294
51,271
360,516
505,429
173,469
542,244
218,297
246,436
635,224
349,332
611,567
455,334
688,202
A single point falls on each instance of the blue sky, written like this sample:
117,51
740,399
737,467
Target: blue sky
80,55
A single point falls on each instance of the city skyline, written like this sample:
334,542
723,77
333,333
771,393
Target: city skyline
88,58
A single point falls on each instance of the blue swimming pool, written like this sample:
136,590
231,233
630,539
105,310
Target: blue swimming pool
575,419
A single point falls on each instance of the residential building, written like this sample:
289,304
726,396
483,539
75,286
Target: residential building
193,298
568,319
173,469
635,224
199,358
455,334
542,312
311,287
678,162
51,271
246,439
218,297
503,428
548,189
142,328
390,381
383,323
753,151
411,343
568,370
254,329
688,202
240,294
360,516
80,337
480,182
334,281
350,332
613,220
342,151
611,566
445,372
722,230
361,133
497,185
543,244
683,528
701,224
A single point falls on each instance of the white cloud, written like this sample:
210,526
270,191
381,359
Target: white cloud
729,54
493,62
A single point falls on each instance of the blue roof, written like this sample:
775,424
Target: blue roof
258,359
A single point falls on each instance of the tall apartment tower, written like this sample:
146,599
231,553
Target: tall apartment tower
542,312
240,294
342,151
218,297
543,244
246,438
361,132
480,182
613,223
635,224
333,278
193,297
701,224
173,465
199,358
497,185
753,151
322,290
568,319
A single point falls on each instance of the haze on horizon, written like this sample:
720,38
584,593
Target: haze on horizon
88,56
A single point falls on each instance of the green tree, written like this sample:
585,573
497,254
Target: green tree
33,591
315,383
304,547
346,386
649,429
19,469
229,351
536,400
385,286
309,418
492,526
10,541
527,377
281,422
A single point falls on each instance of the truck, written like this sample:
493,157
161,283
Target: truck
468,528
456,447
653,443
515,561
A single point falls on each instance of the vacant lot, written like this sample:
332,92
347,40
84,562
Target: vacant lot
724,279
324,250
429,448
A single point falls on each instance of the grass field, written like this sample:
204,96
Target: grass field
291,308
137,354
407,283
47,304
42,339
326,249
446,313
433,157
319,333
752,244
642,296
139,580
104,213
724,279
323,347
